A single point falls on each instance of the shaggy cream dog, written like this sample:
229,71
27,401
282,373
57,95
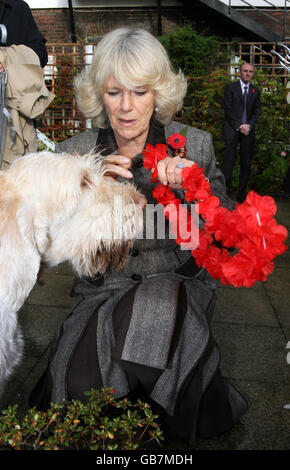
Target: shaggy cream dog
56,208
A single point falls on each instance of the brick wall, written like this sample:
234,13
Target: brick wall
54,24
268,23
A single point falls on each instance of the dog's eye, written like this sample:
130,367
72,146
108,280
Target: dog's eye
85,181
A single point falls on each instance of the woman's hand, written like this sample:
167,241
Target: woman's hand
118,165
169,173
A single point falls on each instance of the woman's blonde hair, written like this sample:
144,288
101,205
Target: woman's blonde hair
134,58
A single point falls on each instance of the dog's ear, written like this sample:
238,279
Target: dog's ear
33,227
19,257
16,216
25,221
9,203
40,231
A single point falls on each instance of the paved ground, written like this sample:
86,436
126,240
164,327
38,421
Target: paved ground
251,326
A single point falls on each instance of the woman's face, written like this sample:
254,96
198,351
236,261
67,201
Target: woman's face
129,111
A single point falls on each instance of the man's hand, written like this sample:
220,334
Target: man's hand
245,129
1,68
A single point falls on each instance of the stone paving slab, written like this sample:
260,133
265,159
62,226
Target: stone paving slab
40,317
64,268
265,425
277,289
26,377
257,286
252,352
279,281
284,259
55,291
280,302
39,324
240,307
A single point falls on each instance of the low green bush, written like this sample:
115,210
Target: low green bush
102,423
271,154
192,52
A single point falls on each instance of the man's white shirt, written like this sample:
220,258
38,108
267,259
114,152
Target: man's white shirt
243,86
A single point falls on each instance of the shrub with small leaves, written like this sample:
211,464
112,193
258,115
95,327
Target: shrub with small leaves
195,54
104,423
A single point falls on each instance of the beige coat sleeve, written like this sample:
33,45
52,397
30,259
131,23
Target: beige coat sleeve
27,98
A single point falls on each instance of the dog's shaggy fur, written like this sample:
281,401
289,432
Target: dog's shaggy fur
56,208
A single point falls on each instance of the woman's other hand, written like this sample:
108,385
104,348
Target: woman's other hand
169,173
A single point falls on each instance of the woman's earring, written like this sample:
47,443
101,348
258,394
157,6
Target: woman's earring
156,109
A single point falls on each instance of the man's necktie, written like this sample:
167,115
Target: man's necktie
244,118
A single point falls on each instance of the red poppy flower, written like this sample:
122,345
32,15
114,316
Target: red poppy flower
197,187
214,260
205,240
153,156
223,224
186,229
270,239
171,209
239,270
214,219
208,204
245,270
256,209
177,141
163,194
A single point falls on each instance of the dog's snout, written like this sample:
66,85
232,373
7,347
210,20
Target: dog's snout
140,200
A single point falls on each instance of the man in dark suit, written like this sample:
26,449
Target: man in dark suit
242,107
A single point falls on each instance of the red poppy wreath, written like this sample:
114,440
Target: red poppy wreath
250,227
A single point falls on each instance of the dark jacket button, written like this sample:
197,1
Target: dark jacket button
134,252
136,277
